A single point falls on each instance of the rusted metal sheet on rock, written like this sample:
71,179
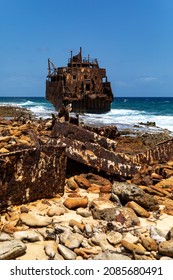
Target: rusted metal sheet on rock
93,150
81,134
160,154
30,174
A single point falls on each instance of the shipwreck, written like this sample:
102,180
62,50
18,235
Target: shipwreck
82,83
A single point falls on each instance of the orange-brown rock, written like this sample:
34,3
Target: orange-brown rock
139,210
76,202
149,243
82,181
72,184
160,189
86,252
11,227
73,223
133,247
94,189
165,183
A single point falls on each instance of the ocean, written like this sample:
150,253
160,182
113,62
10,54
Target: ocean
126,112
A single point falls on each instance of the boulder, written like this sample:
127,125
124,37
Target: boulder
131,192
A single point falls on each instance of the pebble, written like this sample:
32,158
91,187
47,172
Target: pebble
149,243
140,211
83,212
35,220
133,247
155,235
50,251
11,249
76,202
28,235
111,256
166,248
72,240
130,238
114,237
101,240
56,211
66,252
5,236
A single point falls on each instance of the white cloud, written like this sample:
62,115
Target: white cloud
148,79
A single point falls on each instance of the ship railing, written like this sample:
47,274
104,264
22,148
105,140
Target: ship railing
85,60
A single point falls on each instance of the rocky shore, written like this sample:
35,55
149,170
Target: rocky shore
99,216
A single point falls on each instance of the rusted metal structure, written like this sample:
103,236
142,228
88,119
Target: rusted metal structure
82,83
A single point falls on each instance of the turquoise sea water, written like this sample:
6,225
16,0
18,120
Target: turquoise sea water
125,111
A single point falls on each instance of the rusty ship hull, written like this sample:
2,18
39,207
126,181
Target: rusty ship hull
82,83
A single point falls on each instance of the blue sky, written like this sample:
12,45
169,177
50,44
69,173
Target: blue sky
132,39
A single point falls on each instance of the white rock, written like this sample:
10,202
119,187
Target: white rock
71,240
130,238
5,237
114,237
101,240
34,220
27,235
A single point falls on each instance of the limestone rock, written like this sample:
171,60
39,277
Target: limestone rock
111,256
131,192
130,238
86,252
166,248
114,237
11,249
11,227
27,235
165,182
32,220
4,150
149,243
169,235
103,209
133,247
58,257
83,212
156,235
140,211
73,240
73,223
66,252
165,258
101,240
5,237
72,184
82,181
126,216
56,211
76,202
98,181
50,250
